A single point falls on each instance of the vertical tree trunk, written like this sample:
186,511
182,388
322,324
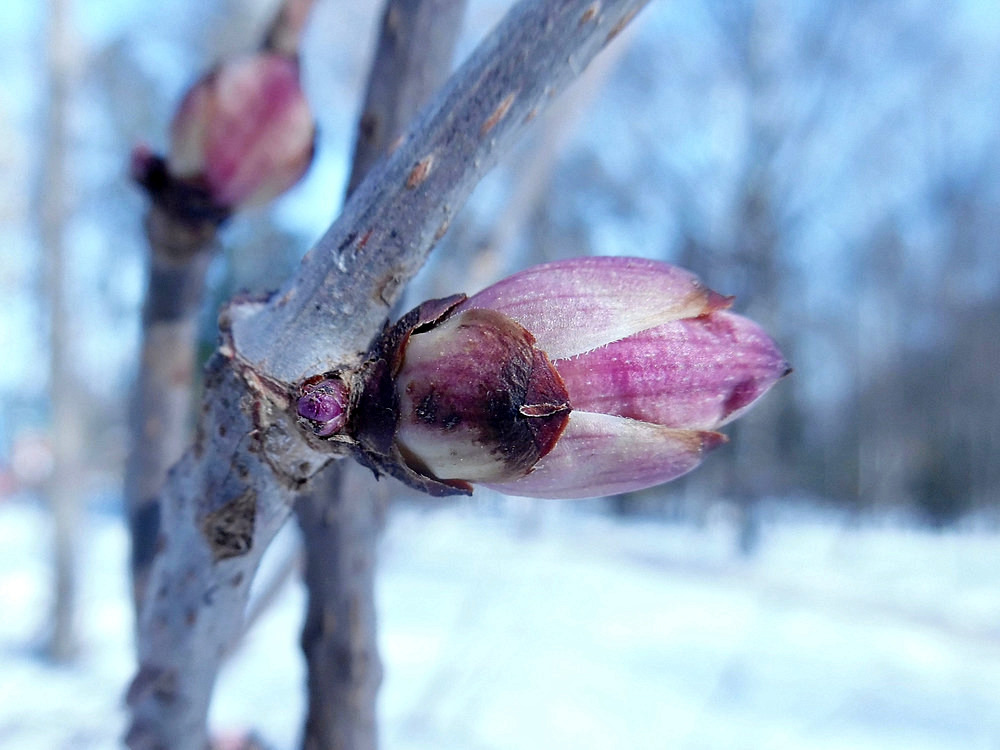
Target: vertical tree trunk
340,528
340,517
64,395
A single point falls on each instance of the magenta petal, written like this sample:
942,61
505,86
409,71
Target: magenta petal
577,305
262,142
246,129
601,455
696,373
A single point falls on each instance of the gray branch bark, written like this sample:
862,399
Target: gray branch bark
161,418
233,490
340,517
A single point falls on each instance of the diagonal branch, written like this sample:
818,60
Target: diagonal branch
344,288
233,490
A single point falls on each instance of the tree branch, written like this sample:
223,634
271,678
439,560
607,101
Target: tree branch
328,312
232,491
161,409
412,59
66,421
284,34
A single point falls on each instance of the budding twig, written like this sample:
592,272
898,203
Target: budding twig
251,456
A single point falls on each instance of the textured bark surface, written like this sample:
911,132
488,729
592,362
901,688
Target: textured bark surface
161,417
223,503
221,506
340,516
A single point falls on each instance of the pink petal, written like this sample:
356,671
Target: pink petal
601,455
246,128
696,373
261,143
574,306
188,128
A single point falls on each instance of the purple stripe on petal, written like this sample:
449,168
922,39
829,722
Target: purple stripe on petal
696,373
574,306
601,455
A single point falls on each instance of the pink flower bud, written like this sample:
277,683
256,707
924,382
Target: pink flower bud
244,130
578,378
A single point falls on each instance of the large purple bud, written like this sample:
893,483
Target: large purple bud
572,379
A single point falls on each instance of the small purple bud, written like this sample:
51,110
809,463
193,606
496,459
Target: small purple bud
324,404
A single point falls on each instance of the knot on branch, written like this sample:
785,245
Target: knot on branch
229,529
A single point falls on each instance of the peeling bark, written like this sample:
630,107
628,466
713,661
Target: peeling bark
222,505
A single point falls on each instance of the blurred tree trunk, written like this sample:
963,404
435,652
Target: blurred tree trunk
64,393
161,412
340,517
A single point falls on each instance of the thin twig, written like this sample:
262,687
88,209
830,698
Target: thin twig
284,35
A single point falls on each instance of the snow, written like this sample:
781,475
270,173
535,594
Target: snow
544,625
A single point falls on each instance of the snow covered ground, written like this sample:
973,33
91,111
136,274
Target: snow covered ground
545,626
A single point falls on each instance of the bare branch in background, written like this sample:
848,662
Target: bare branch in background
234,488
340,515
161,412
413,57
284,35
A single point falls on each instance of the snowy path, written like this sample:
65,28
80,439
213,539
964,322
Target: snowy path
556,629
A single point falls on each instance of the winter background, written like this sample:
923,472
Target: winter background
830,579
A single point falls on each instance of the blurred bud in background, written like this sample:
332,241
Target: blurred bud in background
242,136
245,130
